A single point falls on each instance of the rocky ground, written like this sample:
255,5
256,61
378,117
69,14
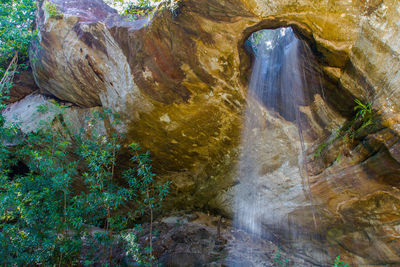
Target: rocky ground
203,240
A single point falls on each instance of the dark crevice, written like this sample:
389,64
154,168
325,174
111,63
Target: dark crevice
96,71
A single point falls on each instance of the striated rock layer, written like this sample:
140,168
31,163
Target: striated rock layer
179,82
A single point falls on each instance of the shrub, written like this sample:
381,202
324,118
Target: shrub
52,10
133,10
46,218
16,30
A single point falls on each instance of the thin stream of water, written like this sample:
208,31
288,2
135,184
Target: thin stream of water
269,186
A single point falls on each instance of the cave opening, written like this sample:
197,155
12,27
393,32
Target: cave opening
272,168
285,73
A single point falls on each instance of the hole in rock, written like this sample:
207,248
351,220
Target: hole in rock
285,73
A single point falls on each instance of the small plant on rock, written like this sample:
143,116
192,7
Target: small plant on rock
279,259
364,113
339,263
52,10
365,116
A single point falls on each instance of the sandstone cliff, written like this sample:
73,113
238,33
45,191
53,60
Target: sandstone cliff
179,82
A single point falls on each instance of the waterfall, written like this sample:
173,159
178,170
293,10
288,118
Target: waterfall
272,172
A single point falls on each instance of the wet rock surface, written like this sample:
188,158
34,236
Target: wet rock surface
203,240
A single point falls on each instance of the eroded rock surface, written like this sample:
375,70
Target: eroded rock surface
24,85
179,82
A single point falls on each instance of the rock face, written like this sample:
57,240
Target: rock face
24,85
179,82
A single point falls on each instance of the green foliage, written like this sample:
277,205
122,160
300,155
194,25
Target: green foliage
257,37
320,149
52,10
133,10
279,259
364,117
139,9
34,204
6,81
133,250
364,113
16,30
340,263
48,212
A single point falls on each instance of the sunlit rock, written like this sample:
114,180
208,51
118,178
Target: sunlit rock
180,80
